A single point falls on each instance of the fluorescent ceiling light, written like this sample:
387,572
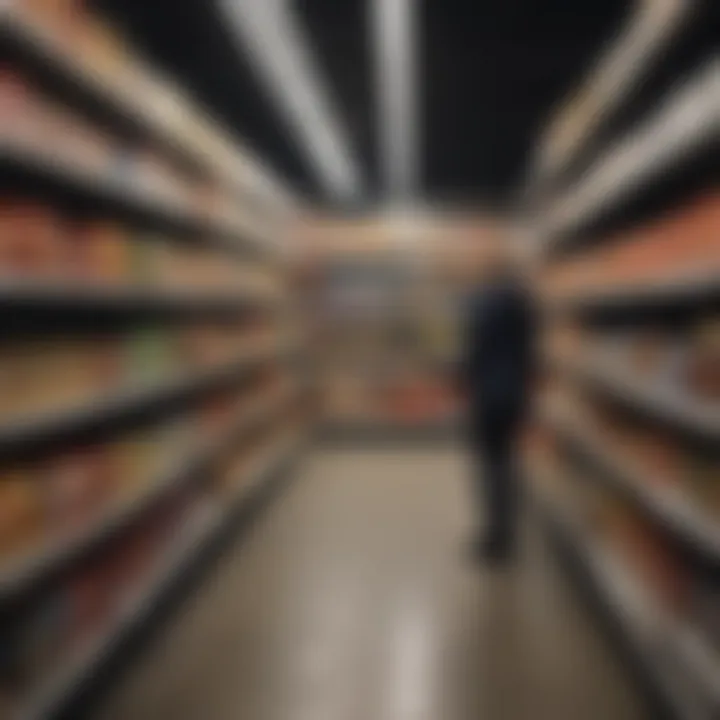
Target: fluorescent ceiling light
395,47
271,35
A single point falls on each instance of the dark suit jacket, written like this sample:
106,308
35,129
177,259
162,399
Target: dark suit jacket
499,349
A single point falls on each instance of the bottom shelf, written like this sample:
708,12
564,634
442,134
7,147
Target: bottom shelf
681,669
58,692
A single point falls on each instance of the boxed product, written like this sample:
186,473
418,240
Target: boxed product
703,367
65,19
22,512
32,240
151,356
32,379
146,253
658,455
22,110
58,373
650,556
80,143
216,414
146,456
78,484
99,253
107,55
648,353
101,359
92,599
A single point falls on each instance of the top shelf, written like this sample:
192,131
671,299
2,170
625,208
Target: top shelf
147,104
653,27
684,124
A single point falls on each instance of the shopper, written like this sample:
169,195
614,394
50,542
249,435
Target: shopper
496,374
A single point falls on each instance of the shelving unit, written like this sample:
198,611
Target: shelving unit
58,298
59,689
663,402
142,100
25,436
142,271
125,196
30,571
693,287
684,124
649,635
651,30
676,512
628,428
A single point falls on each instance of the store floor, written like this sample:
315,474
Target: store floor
351,600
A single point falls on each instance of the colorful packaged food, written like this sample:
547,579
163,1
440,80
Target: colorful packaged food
22,516
79,485
99,253
63,17
150,356
21,109
32,240
92,598
145,260
703,372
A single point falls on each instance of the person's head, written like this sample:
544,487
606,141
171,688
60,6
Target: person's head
493,254
501,257
496,260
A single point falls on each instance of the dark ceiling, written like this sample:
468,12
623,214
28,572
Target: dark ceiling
491,71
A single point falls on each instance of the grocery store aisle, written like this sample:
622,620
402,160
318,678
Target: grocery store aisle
351,600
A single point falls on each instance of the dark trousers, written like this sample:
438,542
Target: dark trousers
494,439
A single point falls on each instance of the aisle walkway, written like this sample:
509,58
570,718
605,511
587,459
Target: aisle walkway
351,600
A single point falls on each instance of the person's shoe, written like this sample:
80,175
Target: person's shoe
497,552
475,549
491,550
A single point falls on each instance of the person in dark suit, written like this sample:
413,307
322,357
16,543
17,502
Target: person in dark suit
497,372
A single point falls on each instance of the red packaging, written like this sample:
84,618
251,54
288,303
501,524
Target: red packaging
31,240
79,485
92,599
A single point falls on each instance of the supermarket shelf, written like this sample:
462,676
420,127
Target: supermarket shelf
619,70
151,107
672,407
670,507
695,653
684,124
38,45
55,555
72,674
23,437
62,688
683,289
57,298
129,195
657,643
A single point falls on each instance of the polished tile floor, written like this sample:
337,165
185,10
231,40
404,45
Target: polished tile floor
351,600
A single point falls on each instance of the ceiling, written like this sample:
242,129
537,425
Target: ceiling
489,74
